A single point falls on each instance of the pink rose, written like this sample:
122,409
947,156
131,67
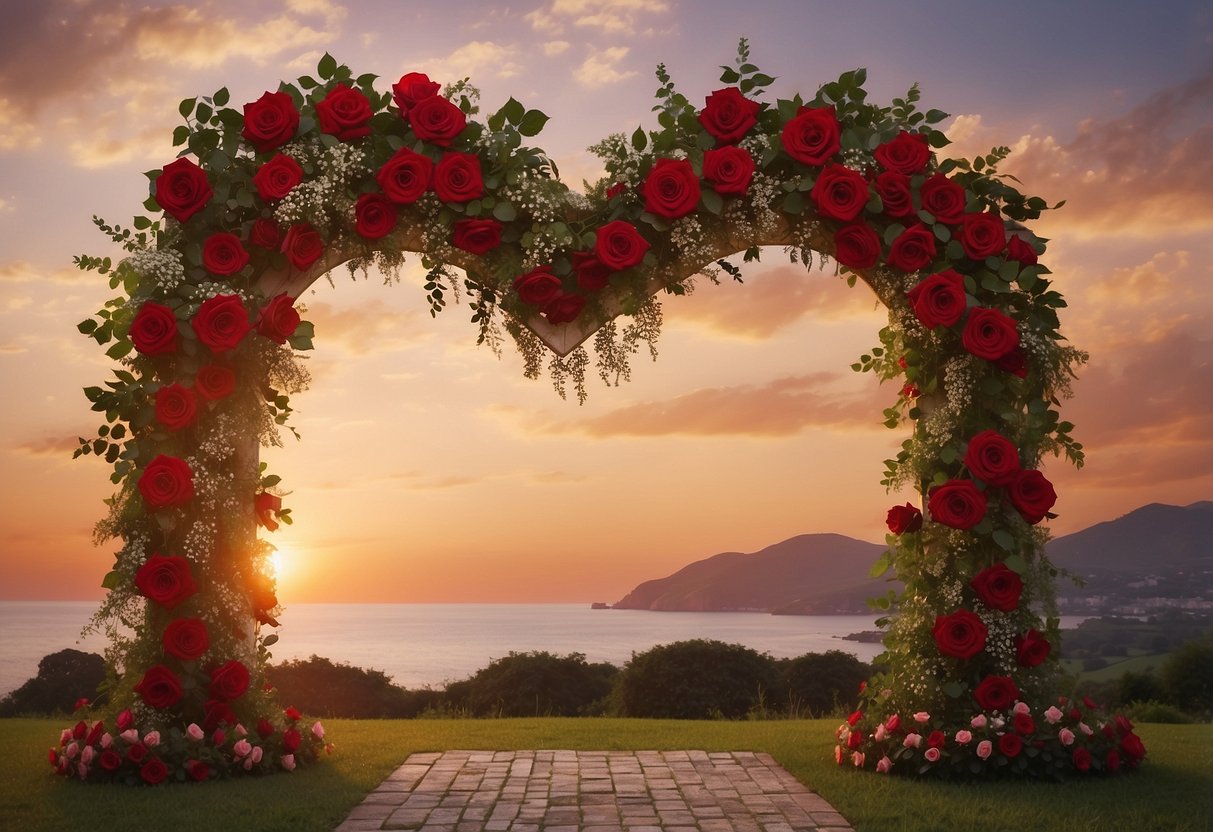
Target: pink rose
242,747
288,762
194,732
922,716
979,721
963,737
884,765
1066,736
912,740
932,755
318,731
151,739
984,749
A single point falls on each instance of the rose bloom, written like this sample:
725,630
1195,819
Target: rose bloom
996,693
839,193
982,235
151,739
194,732
943,198
1066,736
854,739
411,88
160,688
242,747
154,772
978,721
176,407
270,121
671,189
922,716
957,504
592,274
1081,758
129,736
857,759
932,755
125,719
182,189
1021,708
288,762
277,177
963,737
1053,715
291,739
292,713
1021,251
728,169
880,734
903,519
1086,729
110,761
892,723
812,136
1009,745
436,120
884,765
906,154
912,740
457,177
961,634
345,113
619,245
1032,495
167,482
1032,649
187,639
992,457
838,754
939,300
265,234
278,319
1014,363
198,770
728,115
998,587
989,334
229,681
937,739
154,329
214,381
1024,724
302,245
374,216
894,191
563,309
223,254
405,176
318,730
221,323
913,249
538,286
856,245
477,236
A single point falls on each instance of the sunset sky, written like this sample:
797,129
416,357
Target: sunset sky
431,471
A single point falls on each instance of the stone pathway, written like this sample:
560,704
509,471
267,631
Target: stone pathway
593,791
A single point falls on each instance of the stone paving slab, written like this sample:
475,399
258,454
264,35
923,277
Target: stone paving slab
593,791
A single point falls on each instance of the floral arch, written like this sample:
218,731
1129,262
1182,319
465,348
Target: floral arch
325,171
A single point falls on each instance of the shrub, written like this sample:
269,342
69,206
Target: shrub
534,684
823,684
1139,686
1187,676
63,678
319,686
695,679
1152,711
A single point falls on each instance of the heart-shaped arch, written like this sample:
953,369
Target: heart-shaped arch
325,172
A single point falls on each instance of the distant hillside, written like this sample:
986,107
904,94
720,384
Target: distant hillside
808,574
1158,556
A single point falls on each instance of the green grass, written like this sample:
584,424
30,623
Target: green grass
1172,793
1117,666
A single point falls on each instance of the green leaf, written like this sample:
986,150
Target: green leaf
639,139
327,66
204,112
881,566
505,212
513,111
712,201
270,640
120,349
532,123
85,327
181,135
1005,540
222,97
1017,564
112,580
186,107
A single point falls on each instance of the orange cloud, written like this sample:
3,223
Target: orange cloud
611,17
366,330
60,447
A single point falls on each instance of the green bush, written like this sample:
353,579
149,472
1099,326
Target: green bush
695,679
534,684
1139,686
1187,676
1151,711
321,687
63,678
822,684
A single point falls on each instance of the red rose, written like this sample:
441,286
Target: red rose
276,177
961,634
894,191
907,154
1112,763
615,190
1023,724
110,761
592,274
292,713
854,740
198,770
939,300
176,407
221,322
1124,725
728,115
563,308
154,329
913,249
996,693
159,687
270,121
728,169
125,719
1133,749
411,88
224,254
265,728
214,382
992,458
186,638
989,334
154,771
671,189
217,713
302,245
982,235
1081,758
856,245
1013,363
166,580
937,739
998,587
345,113
96,732
477,236
182,189
812,136
136,752
266,506
1021,250
619,245
265,233
538,287
291,739
436,120
1009,745
1031,649
840,193
374,216
80,730
278,319
1032,495
943,198
229,681
457,176
167,482
957,504
405,176
903,519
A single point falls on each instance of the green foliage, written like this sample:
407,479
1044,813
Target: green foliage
822,684
325,688
63,678
1188,676
534,684
696,679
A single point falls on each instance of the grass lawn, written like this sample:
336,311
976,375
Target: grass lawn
1172,793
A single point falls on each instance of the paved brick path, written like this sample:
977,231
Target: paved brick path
593,791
